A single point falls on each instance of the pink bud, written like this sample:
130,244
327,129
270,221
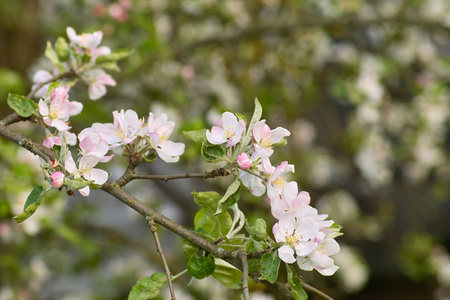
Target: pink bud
244,161
57,179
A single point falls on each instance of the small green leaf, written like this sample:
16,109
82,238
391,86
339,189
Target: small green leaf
148,287
150,158
62,49
51,54
23,106
115,56
227,274
258,231
197,136
207,200
52,87
230,198
255,119
188,248
200,266
109,66
241,117
206,222
281,143
33,196
213,153
254,246
77,183
295,284
28,212
270,263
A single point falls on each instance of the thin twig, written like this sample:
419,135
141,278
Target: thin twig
315,291
245,290
211,174
153,229
54,78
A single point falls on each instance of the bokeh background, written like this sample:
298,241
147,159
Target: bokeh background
361,85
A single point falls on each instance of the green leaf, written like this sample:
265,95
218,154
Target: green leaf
77,183
197,136
115,56
33,196
62,49
52,87
206,222
230,198
200,266
109,66
227,274
28,212
296,286
270,263
258,231
213,153
150,158
148,287
188,248
23,106
255,119
241,117
207,200
254,246
51,54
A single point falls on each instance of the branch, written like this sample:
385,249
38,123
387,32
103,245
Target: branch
153,229
245,291
211,174
315,291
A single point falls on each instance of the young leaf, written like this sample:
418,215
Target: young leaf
258,231
200,266
213,153
77,183
270,264
207,200
23,106
295,284
148,287
188,248
150,158
115,56
255,119
62,49
33,196
231,197
227,274
197,136
53,56
206,222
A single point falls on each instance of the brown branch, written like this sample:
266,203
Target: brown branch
153,229
315,291
211,174
245,290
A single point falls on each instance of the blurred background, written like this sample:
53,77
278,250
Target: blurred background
361,85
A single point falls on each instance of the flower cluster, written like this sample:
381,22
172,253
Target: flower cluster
304,235
79,55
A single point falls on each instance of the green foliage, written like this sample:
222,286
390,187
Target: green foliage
200,266
227,274
255,119
51,54
23,106
188,248
270,265
62,49
197,136
150,158
257,231
207,200
230,198
295,284
148,287
213,153
34,199
77,183
209,224
114,56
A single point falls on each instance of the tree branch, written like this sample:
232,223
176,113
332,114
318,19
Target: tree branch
245,290
153,229
54,78
211,174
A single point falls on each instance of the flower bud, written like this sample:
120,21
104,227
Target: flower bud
244,161
57,179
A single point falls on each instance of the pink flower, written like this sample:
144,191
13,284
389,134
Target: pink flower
57,179
94,145
118,13
230,132
89,42
51,141
276,179
290,200
320,258
41,76
97,80
297,236
159,131
266,138
244,161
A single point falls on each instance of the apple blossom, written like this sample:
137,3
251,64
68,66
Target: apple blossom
244,161
159,131
230,132
88,41
97,80
265,138
297,236
289,200
57,179
94,145
39,77
276,179
320,258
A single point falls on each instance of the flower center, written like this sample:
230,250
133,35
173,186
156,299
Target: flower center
54,111
280,182
228,132
293,239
